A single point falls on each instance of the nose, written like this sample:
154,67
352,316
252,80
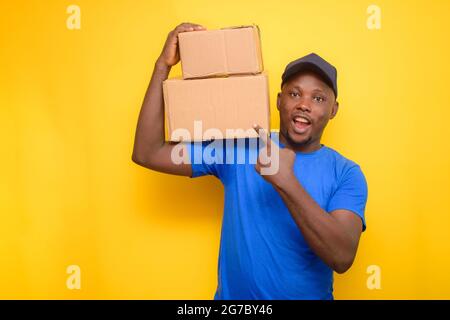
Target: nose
303,105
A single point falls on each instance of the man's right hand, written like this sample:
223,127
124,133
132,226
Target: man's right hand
170,54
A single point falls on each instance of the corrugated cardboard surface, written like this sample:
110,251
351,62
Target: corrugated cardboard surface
224,103
220,52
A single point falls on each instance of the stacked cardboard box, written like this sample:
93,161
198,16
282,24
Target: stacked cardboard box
224,90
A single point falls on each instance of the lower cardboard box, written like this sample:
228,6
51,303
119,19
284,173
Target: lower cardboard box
216,108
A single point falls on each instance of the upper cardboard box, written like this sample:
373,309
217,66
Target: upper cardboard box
213,53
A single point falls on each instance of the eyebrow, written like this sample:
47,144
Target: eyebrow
318,89
315,89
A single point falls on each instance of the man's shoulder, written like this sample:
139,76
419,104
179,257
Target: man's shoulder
339,156
342,163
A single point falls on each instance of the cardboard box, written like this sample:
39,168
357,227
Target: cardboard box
227,51
205,108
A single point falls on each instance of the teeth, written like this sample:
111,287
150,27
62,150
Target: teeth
300,119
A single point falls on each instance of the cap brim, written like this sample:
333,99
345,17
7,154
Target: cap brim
305,67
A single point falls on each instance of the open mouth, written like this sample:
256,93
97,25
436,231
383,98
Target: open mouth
301,124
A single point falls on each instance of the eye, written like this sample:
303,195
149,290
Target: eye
319,99
294,94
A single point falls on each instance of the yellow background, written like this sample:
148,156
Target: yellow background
70,99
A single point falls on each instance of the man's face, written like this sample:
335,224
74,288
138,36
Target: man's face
306,104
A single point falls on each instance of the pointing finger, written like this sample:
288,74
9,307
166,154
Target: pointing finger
261,133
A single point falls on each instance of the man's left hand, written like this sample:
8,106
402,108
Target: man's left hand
272,152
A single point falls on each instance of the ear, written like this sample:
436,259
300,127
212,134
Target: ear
278,100
334,109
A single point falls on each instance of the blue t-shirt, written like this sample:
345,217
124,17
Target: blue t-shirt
263,254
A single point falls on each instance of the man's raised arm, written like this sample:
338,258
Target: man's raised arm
150,148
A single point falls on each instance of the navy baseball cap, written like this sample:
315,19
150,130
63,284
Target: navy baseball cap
314,63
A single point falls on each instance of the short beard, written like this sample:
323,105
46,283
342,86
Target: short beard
294,144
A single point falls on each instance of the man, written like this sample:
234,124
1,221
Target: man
283,234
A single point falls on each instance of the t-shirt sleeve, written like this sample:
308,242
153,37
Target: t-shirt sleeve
351,193
207,158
